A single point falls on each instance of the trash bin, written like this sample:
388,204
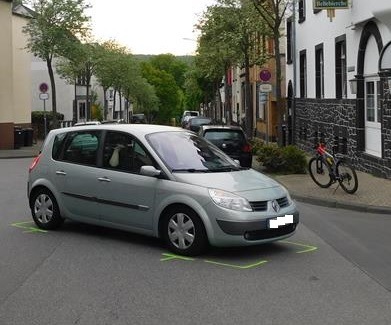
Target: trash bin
28,137
18,137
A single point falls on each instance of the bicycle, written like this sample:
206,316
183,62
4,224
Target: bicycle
327,168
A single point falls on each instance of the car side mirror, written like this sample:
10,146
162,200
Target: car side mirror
150,171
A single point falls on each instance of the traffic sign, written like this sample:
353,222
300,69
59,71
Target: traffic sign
43,87
265,75
265,88
43,96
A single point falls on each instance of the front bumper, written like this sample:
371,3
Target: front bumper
257,230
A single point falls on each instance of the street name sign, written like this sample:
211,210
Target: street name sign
331,4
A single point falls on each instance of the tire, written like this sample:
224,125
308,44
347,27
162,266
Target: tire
319,172
44,209
183,231
347,177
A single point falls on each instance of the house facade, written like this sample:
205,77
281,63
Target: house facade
338,80
15,76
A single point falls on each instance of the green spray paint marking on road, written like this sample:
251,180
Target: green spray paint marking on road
30,229
309,248
249,266
169,257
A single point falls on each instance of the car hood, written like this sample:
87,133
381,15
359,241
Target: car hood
247,183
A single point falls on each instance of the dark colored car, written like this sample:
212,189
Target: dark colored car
230,139
194,123
139,119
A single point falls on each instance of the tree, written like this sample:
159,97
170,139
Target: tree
167,91
106,70
55,24
231,30
81,63
272,13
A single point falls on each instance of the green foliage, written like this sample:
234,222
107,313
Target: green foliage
167,90
285,160
38,116
38,120
55,25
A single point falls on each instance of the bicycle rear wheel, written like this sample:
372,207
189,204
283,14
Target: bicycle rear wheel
347,177
319,172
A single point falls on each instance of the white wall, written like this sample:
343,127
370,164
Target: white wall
317,29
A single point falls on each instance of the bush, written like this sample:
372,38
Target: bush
285,160
256,145
37,122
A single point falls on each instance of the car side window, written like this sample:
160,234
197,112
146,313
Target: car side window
123,152
81,147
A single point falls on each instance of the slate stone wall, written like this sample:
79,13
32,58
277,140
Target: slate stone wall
335,121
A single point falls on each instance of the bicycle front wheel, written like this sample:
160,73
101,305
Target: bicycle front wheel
347,177
319,172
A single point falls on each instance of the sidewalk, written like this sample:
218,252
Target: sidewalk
373,194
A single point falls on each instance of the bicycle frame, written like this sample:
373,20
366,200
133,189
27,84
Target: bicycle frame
330,159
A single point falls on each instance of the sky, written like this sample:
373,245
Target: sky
148,26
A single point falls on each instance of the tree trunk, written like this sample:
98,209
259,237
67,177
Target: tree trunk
249,103
105,104
53,85
280,108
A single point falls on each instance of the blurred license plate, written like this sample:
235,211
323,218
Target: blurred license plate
280,221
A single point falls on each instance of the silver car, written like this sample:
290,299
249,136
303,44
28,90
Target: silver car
156,180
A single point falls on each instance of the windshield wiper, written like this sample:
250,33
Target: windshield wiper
226,169
191,170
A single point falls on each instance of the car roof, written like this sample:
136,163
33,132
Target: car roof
221,127
138,130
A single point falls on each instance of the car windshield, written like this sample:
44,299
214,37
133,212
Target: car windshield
187,152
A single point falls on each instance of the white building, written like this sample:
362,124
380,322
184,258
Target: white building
326,56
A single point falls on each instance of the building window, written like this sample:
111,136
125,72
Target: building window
289,40
319,71
340,67
303,74
81,79
301,11
372,101
82,111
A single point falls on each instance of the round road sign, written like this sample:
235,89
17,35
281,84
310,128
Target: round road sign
265,75
43,87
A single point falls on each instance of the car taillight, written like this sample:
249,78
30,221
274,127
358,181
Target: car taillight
34,163
246,148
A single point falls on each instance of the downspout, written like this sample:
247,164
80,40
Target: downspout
294,74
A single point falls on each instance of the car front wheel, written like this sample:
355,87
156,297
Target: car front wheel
183,232
44,209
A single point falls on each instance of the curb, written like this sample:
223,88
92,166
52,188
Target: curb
341,205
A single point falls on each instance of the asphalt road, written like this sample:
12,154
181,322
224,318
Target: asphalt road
329,272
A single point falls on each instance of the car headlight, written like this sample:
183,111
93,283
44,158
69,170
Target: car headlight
229,200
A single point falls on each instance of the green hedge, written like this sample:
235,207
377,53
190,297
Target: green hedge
37,122
283,160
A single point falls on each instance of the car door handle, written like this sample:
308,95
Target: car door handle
104,179
60,172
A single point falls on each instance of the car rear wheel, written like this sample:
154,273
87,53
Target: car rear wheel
183,231
44,209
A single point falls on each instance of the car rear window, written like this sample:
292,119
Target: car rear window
200,121
218,135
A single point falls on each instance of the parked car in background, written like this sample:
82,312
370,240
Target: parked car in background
138,119
190,113
87,123
194,123
185,120
156,180
230,139
119,121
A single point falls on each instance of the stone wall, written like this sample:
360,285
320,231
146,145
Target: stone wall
335,121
